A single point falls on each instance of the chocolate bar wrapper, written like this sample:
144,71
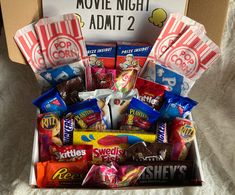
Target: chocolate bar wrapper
177,83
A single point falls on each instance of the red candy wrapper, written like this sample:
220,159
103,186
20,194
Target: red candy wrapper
151,93
71,153
28,43
175,26
48,133
112,175
61,40
192,54
61,174
182,134
126,80
103,78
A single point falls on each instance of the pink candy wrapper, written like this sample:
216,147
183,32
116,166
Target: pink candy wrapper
192,54
112,175
28,43
61,40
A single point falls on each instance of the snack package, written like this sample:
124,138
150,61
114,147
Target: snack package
67,128
176,106
176,83
150,93
103,78
62,73
131,55
191,55
161,130
175,26
112,175
28,43
125,81
102,100
61,40
110,145
148,152
71,153
61,174
118,103
51,101
182,134
139,116
87,115
101,55
48,126
69,89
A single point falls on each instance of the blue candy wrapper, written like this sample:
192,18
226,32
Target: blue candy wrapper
51,101
176,106
139,116
177,83
87,115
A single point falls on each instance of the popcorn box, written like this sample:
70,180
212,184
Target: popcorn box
110,145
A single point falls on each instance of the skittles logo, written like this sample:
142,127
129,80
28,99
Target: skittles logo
62,50
187,132
49,121
184,60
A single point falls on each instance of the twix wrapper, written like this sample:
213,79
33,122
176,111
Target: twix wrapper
192,54
28,43
175,26
61,40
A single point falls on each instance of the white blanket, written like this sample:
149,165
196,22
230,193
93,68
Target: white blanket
215,117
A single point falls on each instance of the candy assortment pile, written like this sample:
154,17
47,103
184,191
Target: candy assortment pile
110,110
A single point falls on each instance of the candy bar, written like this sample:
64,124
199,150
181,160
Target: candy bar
28,43
61,40
148,152
182,134
139,116
101,55
161,130
48,132
110,145
151,93
61,174
67,128
112,175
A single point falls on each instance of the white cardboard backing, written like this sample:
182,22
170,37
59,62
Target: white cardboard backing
117,20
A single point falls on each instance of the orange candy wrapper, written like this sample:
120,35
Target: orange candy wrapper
60,174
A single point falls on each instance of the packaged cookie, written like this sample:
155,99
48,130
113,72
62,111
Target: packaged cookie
48,126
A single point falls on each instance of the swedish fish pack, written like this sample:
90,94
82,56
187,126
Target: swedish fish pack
110,146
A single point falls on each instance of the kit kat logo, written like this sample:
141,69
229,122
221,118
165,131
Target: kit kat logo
63,49
184,60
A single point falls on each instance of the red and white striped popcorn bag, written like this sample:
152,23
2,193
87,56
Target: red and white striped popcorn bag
28,43
61,40
191,54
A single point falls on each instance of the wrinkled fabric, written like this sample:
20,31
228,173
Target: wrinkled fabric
214,115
